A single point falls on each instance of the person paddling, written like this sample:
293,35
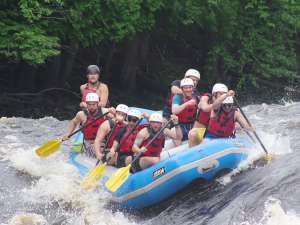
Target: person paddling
175,89
151,154
223,117
185,107
109,129
94,86
86,116
205,107
121,150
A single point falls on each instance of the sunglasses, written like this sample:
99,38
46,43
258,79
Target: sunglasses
132,119
227,105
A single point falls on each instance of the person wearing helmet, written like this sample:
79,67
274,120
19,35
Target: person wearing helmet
175,89
151,153
220,92
86,116
94,86
120,154
109,129
223,117
185,107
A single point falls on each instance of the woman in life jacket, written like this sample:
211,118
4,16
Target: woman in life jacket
94,86
223,118
204,110
89,115
121,149
175,89
108,130
151,153
185,107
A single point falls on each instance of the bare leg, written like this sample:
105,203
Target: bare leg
147,161
177,141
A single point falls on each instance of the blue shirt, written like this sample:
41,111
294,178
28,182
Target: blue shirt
177,100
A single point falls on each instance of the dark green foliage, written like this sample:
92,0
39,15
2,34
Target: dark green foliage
234,41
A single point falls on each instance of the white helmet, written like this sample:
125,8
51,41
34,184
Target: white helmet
228,100
122,108
186,82
92,97
135,113
192,73
218,87
156,117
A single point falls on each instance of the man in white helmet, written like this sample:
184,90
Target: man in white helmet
121,150
93,85
86,116
175,89
108,130
223,117
185,107
207,103
151,154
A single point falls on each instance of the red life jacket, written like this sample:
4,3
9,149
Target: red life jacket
188,115
223,124
126,146
115,131
155,148
87,90
203,117
90,132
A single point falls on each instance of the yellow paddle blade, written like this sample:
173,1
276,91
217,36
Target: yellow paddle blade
48,148
268,157
91,180
118,178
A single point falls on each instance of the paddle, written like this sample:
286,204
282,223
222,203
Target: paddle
90,181
118,178
53,145
268,156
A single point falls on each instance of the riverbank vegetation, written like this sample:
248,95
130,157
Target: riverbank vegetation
251,45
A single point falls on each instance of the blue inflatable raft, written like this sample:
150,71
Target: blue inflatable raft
179,166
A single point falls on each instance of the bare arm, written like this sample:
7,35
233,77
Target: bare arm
176,109
73,124
217,103
141,136
82,103
176,90
241,120
103,130
204,105
103,93
169,132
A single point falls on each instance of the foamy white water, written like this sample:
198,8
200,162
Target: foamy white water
48,190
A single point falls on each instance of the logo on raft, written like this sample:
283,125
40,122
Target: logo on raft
159,172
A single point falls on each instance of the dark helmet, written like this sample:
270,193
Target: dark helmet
93,69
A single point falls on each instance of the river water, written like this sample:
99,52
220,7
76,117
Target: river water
46,191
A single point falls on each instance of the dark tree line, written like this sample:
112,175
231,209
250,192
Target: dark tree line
144,45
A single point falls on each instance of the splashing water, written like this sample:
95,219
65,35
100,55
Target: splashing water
47,191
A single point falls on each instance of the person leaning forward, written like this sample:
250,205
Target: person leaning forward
151,153
89,115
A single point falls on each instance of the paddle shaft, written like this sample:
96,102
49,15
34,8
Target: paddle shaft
254,132
133,129
90,123
150,142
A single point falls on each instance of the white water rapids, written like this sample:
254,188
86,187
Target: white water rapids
34,190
